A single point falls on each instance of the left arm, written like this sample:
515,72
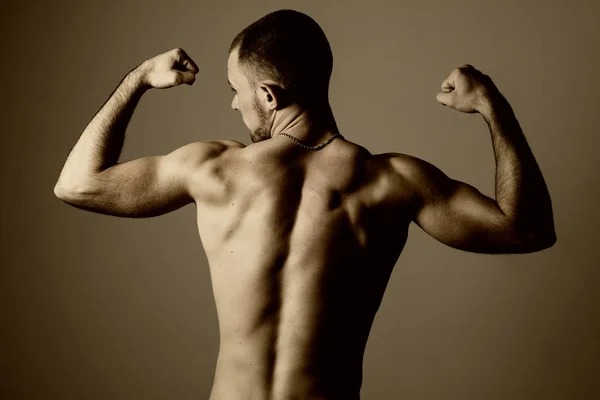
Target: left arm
520,219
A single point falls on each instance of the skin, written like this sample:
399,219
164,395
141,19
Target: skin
301,243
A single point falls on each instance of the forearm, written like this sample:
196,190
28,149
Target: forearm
100,144
521,192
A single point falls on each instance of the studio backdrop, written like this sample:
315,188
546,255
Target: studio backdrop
98,307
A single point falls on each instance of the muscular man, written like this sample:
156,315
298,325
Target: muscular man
302,228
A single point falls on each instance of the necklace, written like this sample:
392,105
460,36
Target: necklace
317,147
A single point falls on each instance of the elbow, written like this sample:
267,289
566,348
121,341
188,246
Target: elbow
547,234
551,239
69,192
535,239
64,191
545,242
539,241
60,191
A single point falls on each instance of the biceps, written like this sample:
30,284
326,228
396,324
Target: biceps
144,187
460,216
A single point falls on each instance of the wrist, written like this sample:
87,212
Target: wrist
491,101
138,78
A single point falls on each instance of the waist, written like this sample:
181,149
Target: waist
283,380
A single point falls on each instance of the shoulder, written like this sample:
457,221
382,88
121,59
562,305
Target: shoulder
398,162
421,177
227,143
199,161
212,147
197,152
409,167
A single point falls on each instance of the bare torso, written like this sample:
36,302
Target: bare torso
301,246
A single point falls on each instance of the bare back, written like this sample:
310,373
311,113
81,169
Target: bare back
300,246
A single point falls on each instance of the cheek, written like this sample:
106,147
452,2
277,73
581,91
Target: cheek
245,107
242,103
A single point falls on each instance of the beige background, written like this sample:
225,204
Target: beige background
98,307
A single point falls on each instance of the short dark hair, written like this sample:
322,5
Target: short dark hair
290,48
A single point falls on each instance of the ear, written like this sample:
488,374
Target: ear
272,95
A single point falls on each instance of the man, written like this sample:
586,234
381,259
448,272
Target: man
302,228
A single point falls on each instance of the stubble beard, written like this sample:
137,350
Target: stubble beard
263,132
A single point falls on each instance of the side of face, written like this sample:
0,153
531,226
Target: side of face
247,101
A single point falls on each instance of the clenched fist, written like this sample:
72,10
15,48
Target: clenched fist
466,89
168,69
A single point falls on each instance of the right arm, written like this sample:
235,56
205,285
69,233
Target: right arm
92,178
147,186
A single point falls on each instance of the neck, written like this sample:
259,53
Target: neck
309,126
